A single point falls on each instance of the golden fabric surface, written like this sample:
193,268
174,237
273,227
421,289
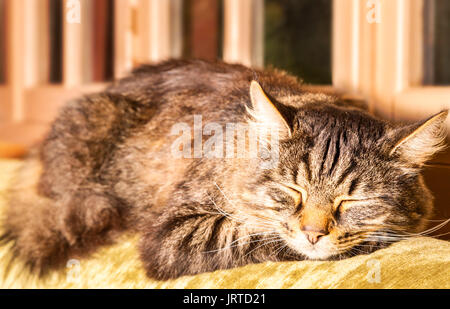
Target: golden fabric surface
415,263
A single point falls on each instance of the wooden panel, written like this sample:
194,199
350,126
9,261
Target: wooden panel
99,42
36,42
154,30
389,54
354,43
43,103
176,28
243,32
56,44
377,59
15,136
345,64
73,47
88,37
123,40
399,52
204,29
8,150
5,104
15,11
103,36
421,102
3,35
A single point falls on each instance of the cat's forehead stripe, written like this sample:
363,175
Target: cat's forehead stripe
329,158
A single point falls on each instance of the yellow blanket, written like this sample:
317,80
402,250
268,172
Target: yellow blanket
415,263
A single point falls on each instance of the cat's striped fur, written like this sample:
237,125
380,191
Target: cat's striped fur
106,167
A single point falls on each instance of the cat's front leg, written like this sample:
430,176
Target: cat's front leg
189,240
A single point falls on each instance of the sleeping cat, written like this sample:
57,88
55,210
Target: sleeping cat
339,181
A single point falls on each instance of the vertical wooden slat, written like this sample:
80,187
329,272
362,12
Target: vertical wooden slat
399,52
390,42
204,29
416,46
346,35
176,27
55,33
43,44
16,45
89,38
2,41
30,42
109,45
243,35
73,45
377,60
159,34
5,102
366,67
136,35
36,57
98,31
353,44
103,33
154,30
429,16
237,32
257,39
123,40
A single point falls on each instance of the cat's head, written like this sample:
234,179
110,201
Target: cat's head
343,178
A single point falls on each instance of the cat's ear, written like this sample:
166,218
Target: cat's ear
265,112
418,142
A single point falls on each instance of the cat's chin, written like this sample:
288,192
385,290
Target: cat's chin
316,254
321,251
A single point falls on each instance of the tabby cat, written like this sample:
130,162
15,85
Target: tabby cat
344,182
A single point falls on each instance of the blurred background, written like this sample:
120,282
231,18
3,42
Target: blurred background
392,54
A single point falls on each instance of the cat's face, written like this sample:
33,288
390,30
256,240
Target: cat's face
346,182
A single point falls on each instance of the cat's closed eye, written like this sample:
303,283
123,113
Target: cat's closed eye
297,193
343,204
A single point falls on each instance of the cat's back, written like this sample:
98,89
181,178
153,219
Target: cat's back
197,78
137,115
177,75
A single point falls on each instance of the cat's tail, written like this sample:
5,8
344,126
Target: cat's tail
47,232
28,229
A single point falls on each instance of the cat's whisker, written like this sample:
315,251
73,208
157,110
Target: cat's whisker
281,249
241,244
264,244
262,223
254,234
432,229
243,222
376,236
229,216
355,251
439,235
405,234
345,247
234,218
231,203
405,237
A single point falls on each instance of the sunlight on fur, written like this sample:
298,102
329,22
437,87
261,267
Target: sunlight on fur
403,265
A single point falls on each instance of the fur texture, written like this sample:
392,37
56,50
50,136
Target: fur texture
344,183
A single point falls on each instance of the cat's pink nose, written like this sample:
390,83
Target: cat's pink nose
313,235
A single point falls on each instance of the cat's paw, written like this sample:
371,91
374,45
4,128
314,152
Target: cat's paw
88,216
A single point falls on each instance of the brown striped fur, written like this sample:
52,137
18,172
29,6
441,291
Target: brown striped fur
105,167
